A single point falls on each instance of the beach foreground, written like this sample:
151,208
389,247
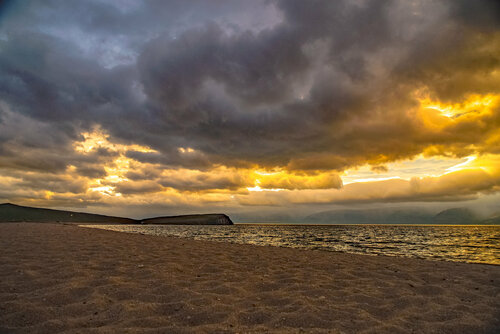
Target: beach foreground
64,278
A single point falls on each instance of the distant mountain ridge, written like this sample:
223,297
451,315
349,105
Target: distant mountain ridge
16,213
453,216
456,216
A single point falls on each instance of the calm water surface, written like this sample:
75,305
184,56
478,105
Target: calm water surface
478,244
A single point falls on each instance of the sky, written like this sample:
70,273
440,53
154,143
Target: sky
252,108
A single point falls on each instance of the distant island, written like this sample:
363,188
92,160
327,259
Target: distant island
16,213
206,219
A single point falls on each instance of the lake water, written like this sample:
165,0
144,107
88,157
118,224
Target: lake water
475,244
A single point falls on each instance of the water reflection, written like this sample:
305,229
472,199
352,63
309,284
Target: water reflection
479,244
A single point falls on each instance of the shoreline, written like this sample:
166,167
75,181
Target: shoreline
307,245
58,277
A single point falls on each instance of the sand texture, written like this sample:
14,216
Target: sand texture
57,278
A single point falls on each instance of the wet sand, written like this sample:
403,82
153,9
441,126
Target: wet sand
63,278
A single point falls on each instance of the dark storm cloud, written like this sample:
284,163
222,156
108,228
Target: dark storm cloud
205,182
299,85
483,13
143,174
140,187
91,171
171,157
239,96
45,78
59,184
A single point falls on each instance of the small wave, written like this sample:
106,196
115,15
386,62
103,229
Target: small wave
452,243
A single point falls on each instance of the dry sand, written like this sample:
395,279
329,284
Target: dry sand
63,278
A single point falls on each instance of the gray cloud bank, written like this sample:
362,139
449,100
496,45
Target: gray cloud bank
298,85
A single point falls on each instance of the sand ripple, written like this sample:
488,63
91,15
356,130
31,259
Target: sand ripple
66,279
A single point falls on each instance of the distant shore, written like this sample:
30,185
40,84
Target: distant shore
58,277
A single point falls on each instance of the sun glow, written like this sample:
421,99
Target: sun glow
462,165
373,179
406,170
105,190
262,174
185,150
117,168
475,104
258,188
99,139
265,173
258,182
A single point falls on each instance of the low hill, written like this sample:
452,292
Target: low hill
17,213
207,219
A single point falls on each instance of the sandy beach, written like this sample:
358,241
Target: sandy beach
57,278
